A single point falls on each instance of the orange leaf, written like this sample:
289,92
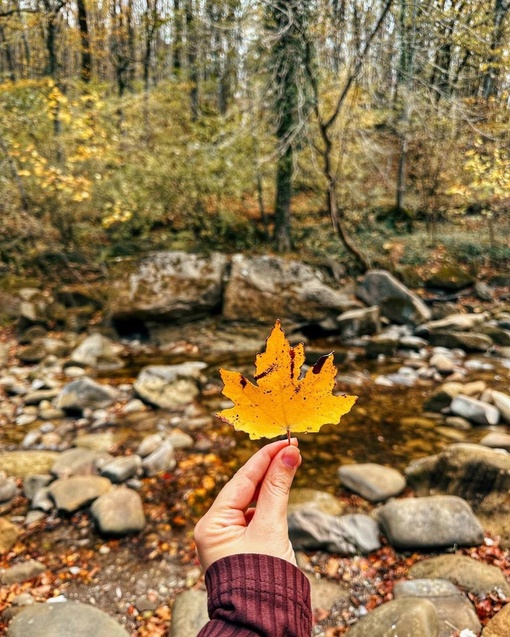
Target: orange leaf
281,402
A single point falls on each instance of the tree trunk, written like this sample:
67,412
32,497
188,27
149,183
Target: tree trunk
191,38
491,78
282,209
177,39
9,57
86,56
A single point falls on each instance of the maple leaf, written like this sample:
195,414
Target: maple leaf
281,402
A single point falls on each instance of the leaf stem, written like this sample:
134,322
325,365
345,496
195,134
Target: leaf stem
288,436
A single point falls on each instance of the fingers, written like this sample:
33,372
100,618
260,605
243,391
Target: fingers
241,490
274,491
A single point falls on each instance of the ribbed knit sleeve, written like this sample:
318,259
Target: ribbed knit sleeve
257,595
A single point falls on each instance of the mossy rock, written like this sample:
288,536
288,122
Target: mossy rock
450,277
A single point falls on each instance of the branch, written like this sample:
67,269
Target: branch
357,68
6,14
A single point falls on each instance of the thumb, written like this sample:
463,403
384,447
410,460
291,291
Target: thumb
275,488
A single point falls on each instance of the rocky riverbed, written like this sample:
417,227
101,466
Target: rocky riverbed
109,453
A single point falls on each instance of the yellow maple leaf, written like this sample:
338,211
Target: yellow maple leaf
281,402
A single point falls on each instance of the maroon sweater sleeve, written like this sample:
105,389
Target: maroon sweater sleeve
257,595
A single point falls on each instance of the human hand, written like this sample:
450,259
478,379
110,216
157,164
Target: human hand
232,526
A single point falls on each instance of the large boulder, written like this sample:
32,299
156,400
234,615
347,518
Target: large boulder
450,277
499,625
396,301
479,475
405,617
264,288
168,285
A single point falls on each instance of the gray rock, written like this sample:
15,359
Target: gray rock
474,410
149,444
22,572
119,512
406,617
73,493
9,534
33,353
414,343
168,285
346,534
41,500
94,349
121,469
469,341
444,364
163,459
429,522
34,482
169,386
180,439
458,423
496,334
98,442
84,392
4,351
189,613
382,345
452,607
36,397
7,488
23,463
33,517
373,482
502,402
266,288
75,462
470,574
443,396
397,302
483,291
358,322
308,499
62,620
454,322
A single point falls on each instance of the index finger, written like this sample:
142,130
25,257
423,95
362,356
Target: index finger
239,492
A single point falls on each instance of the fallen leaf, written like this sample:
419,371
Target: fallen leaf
281,402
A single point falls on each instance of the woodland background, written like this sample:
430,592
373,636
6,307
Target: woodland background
361,130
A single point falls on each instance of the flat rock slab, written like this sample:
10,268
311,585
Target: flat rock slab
73,493
75,462
453,607
24,463
470,574
22,572
430,522
189,614
346,534
374,482
407,617
62,620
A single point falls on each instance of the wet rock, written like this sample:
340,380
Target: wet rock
443,396
75,462
189,613
84,392
346,534
63,619
452,607
312,499
119,512
169,386
499,625
397,302
121,469
265,288
470,341
22,572
73,493
450,277
496,440
475,410
382,345
149,444
502,402
435,521
163,459
95,349
25,462
371,481
458,423
168,285
9,534
470,574
406,617
359,322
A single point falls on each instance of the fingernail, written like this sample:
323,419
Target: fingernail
291,457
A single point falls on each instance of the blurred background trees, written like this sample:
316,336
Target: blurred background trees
128,125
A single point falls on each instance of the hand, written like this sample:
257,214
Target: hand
232,526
